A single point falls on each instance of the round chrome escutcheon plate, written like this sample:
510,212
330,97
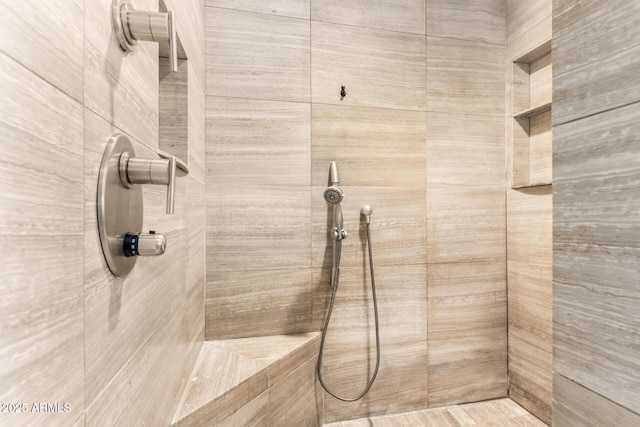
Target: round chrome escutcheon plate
119,208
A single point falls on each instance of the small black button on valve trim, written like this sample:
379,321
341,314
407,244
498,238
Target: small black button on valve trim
130,244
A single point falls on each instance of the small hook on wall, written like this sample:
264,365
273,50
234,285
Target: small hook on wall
343,93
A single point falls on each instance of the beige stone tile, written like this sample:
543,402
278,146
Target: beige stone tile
465,279
575,405
597,254
465,77
595,58
191,346
493,410
196,127
540,149
258,302
527,421
521,16
464,149
80,422
401,292
513,408
379,68
529,225
267,350
194,318
400,15
41,346
321,291
460,415
530,369
411,419
123,89
398,226
595,300
465,223
210,398
481,413
293,9
258,142
189,17
440,417
533,37
349,355
530,258
173,110
500,422
296,399
372,146
540,89
214,412
130,388
196,235
279,369
206,384
42,137
230,402
467,332
245,223
530,228
258,56
253,414
27,37
133,332
531,296
121,313
276,353
482,21
595,305
493,413
595,162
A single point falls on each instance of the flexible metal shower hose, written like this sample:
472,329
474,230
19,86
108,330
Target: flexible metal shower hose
336,278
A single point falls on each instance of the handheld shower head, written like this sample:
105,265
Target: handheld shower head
333,174
366,211
333,195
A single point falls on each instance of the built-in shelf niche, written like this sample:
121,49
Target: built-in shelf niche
173,101
531,120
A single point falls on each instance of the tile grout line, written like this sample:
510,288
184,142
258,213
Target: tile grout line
84,221
616,404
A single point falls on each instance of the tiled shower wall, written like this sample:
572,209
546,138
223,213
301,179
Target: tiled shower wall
529,242
596,235
419,136
116,350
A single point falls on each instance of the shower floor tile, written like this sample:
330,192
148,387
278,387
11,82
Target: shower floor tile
491,413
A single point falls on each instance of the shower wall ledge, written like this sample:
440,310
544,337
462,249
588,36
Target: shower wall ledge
271,379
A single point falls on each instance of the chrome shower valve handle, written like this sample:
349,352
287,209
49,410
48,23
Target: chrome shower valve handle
131,26
134,170
119,203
